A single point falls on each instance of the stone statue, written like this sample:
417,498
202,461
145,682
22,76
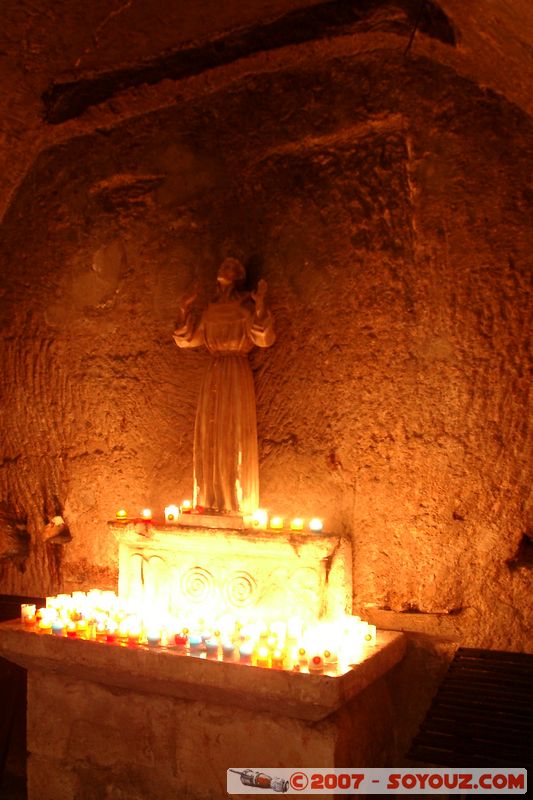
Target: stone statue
226,474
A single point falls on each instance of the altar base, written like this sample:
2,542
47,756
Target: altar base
138,724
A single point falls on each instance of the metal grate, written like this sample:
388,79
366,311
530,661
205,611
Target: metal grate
482,714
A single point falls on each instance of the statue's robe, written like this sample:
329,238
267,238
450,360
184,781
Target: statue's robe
226,474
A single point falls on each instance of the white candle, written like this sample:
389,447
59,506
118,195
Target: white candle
260,518
172,514
27,613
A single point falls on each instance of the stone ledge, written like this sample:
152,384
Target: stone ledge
448,627
323,544
168,673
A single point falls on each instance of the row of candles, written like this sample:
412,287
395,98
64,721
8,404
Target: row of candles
259,519
324,647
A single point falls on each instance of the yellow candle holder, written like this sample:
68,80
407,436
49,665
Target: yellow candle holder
122,514
297,524
276,523
262,658
316,525
278,659
123,629
101,630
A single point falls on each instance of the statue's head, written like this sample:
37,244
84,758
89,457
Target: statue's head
231,271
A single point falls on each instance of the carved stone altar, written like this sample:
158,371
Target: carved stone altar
151,723
241,573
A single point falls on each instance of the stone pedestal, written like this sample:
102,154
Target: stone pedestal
139,723
237,572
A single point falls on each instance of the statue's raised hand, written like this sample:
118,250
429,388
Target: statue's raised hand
186,302
259,298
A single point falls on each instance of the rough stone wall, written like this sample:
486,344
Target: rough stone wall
43,43
386,203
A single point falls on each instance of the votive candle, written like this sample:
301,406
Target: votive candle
260,518
278,659
245,653
27,613
262,658
316,663
228,651
196,643
211,646
153,638
181,640
172,513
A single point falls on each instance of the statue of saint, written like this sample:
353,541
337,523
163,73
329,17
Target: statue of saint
226,474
